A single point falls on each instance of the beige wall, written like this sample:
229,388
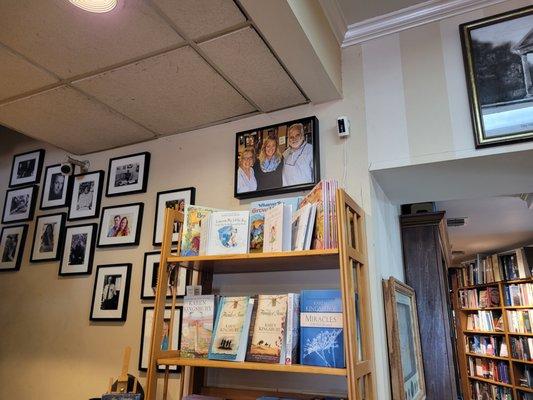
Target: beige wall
48,347
417,108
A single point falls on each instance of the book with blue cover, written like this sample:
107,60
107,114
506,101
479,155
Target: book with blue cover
321,328
257,219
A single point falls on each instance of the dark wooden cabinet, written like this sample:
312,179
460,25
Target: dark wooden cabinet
426,256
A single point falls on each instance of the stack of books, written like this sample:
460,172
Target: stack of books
520,321
484,321
489,369
482,390
486,345
519,294
265,328
479,298
522,348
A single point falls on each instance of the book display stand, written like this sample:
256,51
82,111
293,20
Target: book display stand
350,259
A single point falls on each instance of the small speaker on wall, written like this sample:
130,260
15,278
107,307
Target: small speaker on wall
418,208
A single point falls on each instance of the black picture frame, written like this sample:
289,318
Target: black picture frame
103,241
38,166
159,218
142,348
111,189
19,247
146,294
122,314
76,215
32,202
67,189
493,62
268,183
87,267
55,256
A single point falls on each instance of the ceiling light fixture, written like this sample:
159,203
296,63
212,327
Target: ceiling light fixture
95,6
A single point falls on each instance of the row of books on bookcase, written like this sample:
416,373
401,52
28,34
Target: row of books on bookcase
520,321
524,376
484,321
520,294
294,328
479,298
486,391
486,345
511,265
288,224
495,370
522,348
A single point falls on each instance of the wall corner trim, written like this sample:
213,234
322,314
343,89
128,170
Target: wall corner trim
335,17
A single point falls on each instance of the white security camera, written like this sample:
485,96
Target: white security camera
67,167
343,126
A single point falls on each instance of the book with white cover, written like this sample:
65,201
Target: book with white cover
310,227
292,332
300,221
228,232
277,236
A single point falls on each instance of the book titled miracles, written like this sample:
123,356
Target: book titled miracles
321,328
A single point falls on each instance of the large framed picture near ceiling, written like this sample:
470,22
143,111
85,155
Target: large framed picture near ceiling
277,159
498,56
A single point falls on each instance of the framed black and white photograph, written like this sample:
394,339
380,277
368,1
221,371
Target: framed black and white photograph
150,274
170,341
26,168
56,187
86,195
19,204
498,58
277,159
12,240
175,198
121,225
128,174
48,237
111,292
78,250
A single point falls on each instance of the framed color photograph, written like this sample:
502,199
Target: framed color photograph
121,225
78,251
128,174
175,198
277,159
26,168
498,58
86,195
146,335
403,337
111,292
19,204
48,237
56,187
150,271
12,240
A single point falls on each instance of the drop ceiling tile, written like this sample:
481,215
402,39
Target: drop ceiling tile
72,121
18,75
196,18
168,93
248,62
69,41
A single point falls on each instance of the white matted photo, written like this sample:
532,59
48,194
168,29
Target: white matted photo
175,198
78,251
55,188
128,174
19,204
111,292
86,195
48,237
120,225
26,168
150,276
146,335
12,240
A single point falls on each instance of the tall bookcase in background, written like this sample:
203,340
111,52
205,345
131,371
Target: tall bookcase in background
350,260
493,301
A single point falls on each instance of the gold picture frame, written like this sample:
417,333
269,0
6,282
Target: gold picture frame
403,338
498,58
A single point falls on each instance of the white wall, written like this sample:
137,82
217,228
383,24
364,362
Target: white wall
417,108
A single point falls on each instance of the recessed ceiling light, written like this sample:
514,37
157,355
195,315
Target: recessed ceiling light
95,6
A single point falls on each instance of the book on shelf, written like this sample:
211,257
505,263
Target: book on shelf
257,219
525,376
292,332
277,235
486,345
495,370
321,328
479,298
267,329
484,321
230,333
302,224
225,232
488,391
520,321
197,325
521,347
520,294
192,221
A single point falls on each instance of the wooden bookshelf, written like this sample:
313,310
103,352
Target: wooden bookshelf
350,262
506,334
